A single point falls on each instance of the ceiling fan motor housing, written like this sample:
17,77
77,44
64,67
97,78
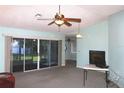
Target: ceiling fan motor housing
59,16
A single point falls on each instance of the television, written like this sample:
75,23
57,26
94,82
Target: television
97,58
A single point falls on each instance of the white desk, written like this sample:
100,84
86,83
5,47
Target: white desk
93,67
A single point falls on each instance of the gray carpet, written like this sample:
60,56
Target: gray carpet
59,77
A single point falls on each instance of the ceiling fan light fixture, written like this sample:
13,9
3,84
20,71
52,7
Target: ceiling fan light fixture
59,22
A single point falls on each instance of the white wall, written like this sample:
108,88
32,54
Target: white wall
108,36
94,37
27,34
116,45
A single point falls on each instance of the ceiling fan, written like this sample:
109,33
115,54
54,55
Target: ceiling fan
59,19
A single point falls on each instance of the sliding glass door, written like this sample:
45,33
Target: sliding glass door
44,53
54,53
48,53
31,54
17,54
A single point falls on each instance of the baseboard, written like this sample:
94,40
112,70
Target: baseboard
79,67
68,60
63,65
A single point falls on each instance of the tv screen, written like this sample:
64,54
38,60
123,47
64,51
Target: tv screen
97,58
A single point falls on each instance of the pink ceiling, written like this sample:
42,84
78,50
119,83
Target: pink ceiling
24,16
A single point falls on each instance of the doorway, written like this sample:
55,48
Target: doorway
70,51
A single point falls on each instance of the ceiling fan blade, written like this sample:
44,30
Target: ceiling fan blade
67,23
39,17
51,23
73,19
45,19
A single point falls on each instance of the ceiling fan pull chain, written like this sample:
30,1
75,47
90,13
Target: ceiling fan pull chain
59,28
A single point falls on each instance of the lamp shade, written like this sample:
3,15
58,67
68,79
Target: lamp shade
79,35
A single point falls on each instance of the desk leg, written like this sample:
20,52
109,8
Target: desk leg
86,73
84,77
107,81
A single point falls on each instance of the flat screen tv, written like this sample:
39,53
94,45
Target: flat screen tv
97,58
